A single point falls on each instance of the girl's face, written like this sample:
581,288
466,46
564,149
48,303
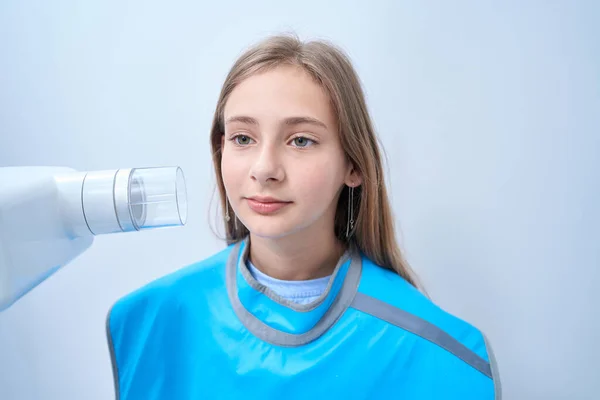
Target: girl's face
283,165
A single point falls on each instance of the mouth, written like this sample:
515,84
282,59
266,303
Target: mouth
266,205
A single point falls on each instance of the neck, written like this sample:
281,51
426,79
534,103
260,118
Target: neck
296,257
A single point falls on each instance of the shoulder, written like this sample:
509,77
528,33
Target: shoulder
148,299
385,295
387,287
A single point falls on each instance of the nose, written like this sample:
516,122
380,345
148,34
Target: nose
267,166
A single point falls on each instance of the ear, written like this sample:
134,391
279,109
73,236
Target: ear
353,178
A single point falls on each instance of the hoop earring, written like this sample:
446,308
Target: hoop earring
350,223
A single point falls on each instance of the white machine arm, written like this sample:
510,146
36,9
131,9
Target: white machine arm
50,215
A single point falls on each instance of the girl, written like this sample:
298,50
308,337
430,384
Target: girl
311,298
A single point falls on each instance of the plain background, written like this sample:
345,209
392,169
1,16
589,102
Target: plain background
489,113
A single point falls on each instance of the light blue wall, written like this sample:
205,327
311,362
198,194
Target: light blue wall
490,115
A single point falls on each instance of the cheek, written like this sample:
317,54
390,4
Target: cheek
232,170
319,182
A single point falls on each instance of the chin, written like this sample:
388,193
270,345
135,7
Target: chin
271,227
268,231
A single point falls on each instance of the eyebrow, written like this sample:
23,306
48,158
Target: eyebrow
290,121
242,119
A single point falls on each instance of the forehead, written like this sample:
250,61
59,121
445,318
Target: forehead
283,92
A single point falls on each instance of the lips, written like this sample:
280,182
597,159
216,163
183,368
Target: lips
266,205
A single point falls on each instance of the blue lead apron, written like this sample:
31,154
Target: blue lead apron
211,331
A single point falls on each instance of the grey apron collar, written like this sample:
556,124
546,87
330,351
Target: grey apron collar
279,321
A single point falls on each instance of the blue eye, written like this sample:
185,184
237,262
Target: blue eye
302,141
242,140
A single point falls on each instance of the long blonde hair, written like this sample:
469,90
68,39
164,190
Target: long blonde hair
332,69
